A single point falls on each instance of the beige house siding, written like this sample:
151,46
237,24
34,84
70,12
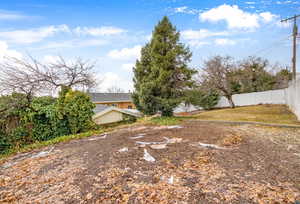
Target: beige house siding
109,117
119,104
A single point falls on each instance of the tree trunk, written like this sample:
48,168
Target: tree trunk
229,98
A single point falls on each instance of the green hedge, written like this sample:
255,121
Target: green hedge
43,118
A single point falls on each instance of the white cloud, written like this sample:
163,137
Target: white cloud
126,53
32,35
287,2
284,24
5,15
198,43
110,79
185,9
74,43
201,34
224,41
249,2
38,34
267,16
235,17
127,66
50,59
6,52
98,31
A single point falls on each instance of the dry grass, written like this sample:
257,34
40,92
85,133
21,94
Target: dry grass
278,114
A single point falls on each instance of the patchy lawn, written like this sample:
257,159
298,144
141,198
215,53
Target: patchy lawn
279,114
194,162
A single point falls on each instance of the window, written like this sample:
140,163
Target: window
129,107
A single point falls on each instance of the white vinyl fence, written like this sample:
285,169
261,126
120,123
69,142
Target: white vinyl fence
292,96
289,96
254,98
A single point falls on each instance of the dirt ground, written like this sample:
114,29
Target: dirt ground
193,163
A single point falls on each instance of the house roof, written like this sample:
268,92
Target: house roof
99,108
124,111
110,97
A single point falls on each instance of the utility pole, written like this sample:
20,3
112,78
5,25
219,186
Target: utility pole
295,33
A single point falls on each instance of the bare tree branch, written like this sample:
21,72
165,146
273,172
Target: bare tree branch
216,74
29,76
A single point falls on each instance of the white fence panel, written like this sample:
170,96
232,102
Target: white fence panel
289,96
292,96
255,98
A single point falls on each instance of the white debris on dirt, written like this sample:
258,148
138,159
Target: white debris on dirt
169,180
148,157
174,127
297,154
158,146
102,136
173,140
148,143
124,149
167,127
89,196
160,127
7,165
289,147
26,156
137,128
138,136
211,146
43,153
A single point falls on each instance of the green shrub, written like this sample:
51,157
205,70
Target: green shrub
78,109
43,118
4,143
206,100
209,100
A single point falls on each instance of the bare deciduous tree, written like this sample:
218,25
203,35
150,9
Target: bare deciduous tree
115,89
217,75
30,76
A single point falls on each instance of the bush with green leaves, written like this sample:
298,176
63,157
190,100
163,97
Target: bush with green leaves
205,100
78,109
24,121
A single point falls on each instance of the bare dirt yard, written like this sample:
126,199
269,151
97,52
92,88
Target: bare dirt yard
196,162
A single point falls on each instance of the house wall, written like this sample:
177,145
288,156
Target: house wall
110,117
122,105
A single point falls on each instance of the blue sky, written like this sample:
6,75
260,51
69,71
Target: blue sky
112,32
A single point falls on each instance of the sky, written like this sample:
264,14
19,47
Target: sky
111,33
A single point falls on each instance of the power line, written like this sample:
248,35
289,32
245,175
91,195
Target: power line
270,46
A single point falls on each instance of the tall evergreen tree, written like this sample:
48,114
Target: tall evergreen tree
162,75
